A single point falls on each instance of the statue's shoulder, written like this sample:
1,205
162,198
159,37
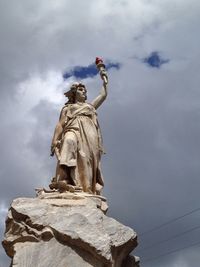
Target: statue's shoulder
64,109
91,106
67,106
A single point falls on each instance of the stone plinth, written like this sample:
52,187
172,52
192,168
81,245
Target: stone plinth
66,230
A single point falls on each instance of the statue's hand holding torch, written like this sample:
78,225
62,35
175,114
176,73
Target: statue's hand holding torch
102,69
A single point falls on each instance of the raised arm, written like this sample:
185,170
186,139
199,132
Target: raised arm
103,93
101,97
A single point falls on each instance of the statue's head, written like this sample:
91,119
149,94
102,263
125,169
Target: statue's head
77,92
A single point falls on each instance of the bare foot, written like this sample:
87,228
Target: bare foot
63,186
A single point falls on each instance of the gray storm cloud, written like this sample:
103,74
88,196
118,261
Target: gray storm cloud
150,121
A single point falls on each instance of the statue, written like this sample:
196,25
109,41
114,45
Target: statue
67,225
77,140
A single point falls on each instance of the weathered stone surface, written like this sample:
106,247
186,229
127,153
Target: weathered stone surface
52,254
65,230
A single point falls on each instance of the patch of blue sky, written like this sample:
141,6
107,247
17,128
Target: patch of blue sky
155,60
81,72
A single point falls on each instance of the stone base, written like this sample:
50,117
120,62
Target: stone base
51,254
66,229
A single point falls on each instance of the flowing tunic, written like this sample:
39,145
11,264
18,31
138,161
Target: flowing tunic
81,146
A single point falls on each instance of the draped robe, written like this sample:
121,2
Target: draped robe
81,146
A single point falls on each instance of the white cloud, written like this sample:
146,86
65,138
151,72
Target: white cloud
3,212
40,87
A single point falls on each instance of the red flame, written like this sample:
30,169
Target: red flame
98,60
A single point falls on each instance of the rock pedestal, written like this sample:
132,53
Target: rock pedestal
66,230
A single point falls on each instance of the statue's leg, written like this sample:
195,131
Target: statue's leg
63,173
68,159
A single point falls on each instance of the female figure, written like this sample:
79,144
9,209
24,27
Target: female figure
77,142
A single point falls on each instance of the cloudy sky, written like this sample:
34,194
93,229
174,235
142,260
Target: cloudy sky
150,120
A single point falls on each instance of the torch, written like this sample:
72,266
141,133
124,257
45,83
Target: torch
102,69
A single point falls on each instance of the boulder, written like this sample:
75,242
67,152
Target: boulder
66,230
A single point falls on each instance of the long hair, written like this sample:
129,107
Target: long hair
71,94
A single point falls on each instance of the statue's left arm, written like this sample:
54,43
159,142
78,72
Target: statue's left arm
58,130
101,97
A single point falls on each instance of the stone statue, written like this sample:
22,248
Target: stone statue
67,225
77,141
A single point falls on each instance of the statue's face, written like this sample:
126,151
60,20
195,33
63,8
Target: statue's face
81,94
